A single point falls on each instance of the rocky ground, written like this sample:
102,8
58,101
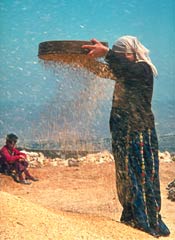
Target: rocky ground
72,201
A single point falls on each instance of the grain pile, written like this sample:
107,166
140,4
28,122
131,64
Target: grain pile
21,219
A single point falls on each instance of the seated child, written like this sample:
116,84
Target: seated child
12,159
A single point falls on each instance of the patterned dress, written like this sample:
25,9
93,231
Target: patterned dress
135,145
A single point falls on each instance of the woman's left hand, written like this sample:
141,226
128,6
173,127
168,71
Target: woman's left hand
96,50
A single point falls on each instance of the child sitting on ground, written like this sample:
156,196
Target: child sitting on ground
12,159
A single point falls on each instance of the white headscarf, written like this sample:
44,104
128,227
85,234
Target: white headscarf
130,44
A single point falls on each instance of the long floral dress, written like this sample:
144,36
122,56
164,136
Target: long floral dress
135,145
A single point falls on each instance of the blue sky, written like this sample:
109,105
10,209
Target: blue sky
26,23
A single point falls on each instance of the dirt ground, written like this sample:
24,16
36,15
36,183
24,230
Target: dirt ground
72,203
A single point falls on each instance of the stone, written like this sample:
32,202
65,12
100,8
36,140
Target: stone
73,162
165,156
171,190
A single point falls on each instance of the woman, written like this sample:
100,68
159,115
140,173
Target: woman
134,140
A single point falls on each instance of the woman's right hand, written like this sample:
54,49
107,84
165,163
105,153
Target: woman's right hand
96,50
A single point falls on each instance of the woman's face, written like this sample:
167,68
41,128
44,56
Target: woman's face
130,56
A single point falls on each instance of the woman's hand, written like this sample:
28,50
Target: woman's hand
97,49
